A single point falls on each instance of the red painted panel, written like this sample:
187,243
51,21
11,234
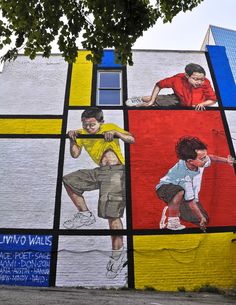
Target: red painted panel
153,154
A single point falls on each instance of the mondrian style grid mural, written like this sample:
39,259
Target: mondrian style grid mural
124,238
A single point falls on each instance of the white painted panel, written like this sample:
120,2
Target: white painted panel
28,175
85,162
231,120
33,86
152,66
82,262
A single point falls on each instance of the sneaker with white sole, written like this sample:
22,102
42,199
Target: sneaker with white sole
134,102
174,224
114,266
80,219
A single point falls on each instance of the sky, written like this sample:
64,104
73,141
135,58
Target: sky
187,30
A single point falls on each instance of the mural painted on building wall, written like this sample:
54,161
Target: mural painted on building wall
108,177
180,187
25,259
125,212
158,158
191,89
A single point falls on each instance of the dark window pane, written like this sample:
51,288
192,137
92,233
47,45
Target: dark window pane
109,80
109,97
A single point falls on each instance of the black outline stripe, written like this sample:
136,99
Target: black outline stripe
30,136
57,210
108,232
171,108
29,116
94,87
222,110
52,136
103,107
129,224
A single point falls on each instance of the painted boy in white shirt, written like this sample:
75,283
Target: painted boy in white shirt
179,188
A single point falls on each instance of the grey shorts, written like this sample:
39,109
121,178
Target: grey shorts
168,100
166,192
110,180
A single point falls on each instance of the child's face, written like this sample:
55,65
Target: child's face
196,79
200,160
91,125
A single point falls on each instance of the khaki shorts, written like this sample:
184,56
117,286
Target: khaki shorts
110,180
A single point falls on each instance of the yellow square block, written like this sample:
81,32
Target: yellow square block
171,262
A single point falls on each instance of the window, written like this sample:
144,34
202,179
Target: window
109,91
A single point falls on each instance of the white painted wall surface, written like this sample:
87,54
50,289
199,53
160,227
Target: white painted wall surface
152,66
33,86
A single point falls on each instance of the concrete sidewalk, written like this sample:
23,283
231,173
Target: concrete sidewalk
72,296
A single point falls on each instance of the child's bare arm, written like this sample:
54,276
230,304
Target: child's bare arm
126,137
204,104
75,150
150,100
229,160
195,209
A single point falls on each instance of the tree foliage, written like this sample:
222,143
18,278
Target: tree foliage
34,25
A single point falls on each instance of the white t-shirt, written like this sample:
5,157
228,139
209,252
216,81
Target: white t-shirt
189,180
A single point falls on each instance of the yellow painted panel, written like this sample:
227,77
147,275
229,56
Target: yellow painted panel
81,81
30,126
169,262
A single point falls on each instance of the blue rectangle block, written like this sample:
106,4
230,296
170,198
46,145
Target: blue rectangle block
108,60
25,259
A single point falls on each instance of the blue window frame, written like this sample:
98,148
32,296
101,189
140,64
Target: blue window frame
109,84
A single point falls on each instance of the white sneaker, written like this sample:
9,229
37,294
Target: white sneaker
174,224
114,266
134,102
80,219
163,222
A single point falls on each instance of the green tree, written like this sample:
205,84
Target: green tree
34,25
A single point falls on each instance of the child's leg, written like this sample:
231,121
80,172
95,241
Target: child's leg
146,99
175,203
118,258
117,241
78,201
75,184
173,195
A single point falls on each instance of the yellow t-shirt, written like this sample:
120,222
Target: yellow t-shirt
97,147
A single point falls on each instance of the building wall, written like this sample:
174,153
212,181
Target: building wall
40,101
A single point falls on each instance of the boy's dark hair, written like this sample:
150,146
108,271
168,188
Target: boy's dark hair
92,112
186,147
191,68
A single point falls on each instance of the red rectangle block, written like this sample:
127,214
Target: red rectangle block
153,154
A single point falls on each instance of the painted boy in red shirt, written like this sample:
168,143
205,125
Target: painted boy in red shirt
191,89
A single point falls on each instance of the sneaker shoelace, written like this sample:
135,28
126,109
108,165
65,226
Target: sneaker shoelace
136,101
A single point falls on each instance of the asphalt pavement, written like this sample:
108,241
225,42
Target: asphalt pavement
14,295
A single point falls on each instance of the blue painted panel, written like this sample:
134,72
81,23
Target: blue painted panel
108,60
226,38
223,74
25,259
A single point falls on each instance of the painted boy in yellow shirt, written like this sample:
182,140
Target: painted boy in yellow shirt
108,177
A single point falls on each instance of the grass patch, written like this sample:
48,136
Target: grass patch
149,288
181,289
208,288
